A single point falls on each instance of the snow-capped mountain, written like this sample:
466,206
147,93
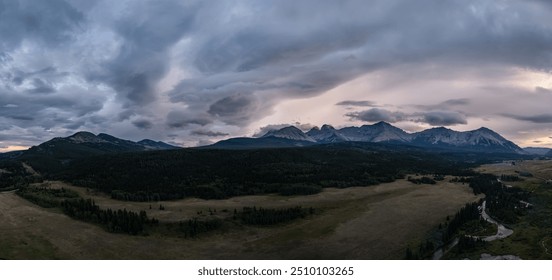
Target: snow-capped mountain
326,134
482,139
291,133
378,132
83,137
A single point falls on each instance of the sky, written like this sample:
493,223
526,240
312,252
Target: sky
194,72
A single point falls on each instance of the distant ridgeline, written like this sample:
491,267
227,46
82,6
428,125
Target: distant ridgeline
482,140
151,171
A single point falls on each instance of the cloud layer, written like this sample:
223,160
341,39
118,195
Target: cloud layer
191,71
433,118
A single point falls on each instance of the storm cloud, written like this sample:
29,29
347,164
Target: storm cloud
142,123
357,103
439,118
376,115
433,118
169,69
542,118
209,133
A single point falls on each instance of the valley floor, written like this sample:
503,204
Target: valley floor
376,222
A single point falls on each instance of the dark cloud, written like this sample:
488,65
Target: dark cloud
22,118
439,118
41,87
236,109
142,123
435,118
181,119
377,114
75,125
148,30
230,106
455,102
209,133
158,67
51,23
541,118
357,103
203,142
446,104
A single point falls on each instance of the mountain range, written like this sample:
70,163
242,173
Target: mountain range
538,151
84,143
479,140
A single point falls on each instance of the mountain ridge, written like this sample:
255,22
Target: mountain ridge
481,140
84,143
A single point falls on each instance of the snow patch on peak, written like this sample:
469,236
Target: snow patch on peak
85,137
290,132
479,139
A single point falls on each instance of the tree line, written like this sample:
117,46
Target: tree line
123,221
503,203
216,174
14,176
193,227
45,197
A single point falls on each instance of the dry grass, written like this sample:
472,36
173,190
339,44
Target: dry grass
541,169
374,222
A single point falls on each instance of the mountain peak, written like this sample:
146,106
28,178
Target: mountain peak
440,128
84,137
485,129
289,132
328,134
327,127
83,134
382,123
84,143
482,139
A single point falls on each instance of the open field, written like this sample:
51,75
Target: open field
541,170
375,222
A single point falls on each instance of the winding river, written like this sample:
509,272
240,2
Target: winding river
502,232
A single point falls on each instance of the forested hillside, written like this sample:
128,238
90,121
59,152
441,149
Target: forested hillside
216,174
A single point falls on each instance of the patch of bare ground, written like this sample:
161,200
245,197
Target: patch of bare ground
375,222
30,169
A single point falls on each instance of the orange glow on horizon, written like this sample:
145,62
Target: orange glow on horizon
12,148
